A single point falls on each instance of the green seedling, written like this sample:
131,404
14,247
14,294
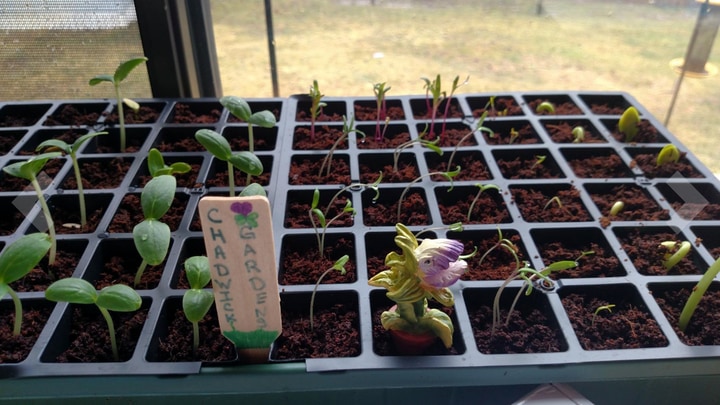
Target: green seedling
241,109
121,73
481,188
696,295
197,301
490,106
668,154
449,175
151,236
608,308
339,265
380,90
505,244
617,208
29,170
545,107
539,160
674,252
347,129
514,135
118,298
434,88
219,147
557,201
478,127
628,123
578,134
157,167
529,277
71,150
316,106
432,145
16,261
454,227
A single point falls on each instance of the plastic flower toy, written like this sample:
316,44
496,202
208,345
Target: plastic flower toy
421,272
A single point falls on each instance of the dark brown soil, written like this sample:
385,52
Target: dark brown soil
605,109
567,108
642,246
9,140
599,167
562,133
71,115
67,220
99,174
697,212
504,107
325,138
647,133
406,173
188,179
648,164
603,263
365,113
526,135
297,214
220,177
144,115
14,349
177,344
704,326
526,168
183,114
470,168
303,115
425,112
414,211
452,137
498,264
90,340
533,205
638,205
307,171
336,332
121,269
530,330
300,264
626,327
129,214
389,141
487,210
39,278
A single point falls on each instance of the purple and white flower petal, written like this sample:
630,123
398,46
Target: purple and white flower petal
438,262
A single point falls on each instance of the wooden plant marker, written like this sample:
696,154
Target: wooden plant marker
241,250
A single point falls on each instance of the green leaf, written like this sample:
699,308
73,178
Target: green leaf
247,162
56,144
253,189
81,140
197,271
124,69
320,216
4,289
180,167
152,240
196,303
215,143
21,256
628,123
101,78
237,107
440,323
155,162
72,290
157,196
315,199
264,119
119,297
29,169
668,154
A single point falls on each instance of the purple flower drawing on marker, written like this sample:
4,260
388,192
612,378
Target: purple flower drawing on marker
244,215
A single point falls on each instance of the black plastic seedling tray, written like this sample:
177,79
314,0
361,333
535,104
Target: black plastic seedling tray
627,285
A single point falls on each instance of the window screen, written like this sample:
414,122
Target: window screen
49,49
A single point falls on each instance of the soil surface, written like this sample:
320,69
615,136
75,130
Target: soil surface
177,344
642,246
648,164
562,133
704,326
538,206
566,108
413,211
638,206
14,349
600,167
300,264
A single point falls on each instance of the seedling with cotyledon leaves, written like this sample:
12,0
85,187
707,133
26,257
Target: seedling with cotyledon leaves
380,90
16,261
121,73
481,188
117,297
432,145
348,127
71,150
449,175
696,295
157,167
29,170
197,301
629,122
339,265
245,161
316,106
434,88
